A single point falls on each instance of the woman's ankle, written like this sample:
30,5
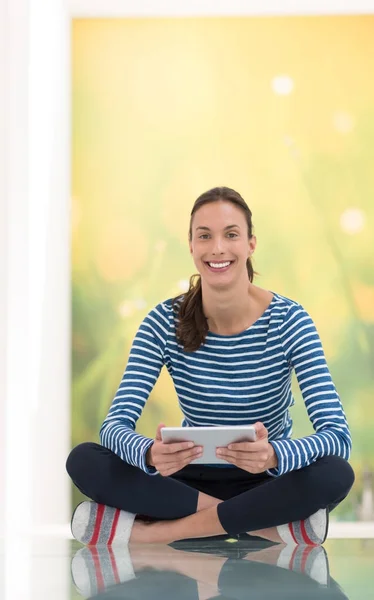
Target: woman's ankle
204,501
271,534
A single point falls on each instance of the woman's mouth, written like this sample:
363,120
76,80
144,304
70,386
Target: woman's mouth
220,266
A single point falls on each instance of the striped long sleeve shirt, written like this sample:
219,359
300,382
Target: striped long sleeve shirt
234,380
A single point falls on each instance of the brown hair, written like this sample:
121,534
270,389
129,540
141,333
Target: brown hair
192,328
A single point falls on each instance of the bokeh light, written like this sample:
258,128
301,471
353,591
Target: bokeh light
282,85
352,220
183,285
343,122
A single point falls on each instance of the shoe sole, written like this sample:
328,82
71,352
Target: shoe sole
327,526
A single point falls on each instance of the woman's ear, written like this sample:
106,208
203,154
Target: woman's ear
252,245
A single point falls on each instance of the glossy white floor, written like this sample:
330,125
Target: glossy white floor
45,567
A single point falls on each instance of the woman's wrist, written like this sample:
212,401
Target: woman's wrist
272,461
148,457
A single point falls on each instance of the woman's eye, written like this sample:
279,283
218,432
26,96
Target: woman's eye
203,236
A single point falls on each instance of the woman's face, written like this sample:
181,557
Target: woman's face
220,245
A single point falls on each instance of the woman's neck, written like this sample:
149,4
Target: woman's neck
231,309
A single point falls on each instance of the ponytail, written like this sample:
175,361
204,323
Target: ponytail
192,327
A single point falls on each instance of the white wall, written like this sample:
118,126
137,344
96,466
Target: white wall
3,263
34,265
49,259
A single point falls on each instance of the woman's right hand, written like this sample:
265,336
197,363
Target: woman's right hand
172,457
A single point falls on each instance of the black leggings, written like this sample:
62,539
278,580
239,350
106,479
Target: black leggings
251,502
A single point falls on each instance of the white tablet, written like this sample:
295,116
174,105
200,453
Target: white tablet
210,438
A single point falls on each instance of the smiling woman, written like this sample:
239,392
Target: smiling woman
225,248
230,348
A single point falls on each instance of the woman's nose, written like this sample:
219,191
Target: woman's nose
218,246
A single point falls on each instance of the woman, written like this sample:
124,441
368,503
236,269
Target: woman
230,348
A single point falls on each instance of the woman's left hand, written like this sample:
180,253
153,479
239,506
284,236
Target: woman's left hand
254,457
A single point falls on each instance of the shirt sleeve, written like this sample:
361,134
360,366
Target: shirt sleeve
143,368
303,350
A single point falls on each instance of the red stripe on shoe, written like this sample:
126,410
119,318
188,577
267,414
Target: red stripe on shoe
99,519
306,537
293,557
98,572
304,557
114,527
290,527
114,565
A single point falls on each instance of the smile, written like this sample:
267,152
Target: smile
219,266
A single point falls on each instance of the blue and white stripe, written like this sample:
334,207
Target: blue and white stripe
234,380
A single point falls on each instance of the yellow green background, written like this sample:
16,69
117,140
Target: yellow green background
164,109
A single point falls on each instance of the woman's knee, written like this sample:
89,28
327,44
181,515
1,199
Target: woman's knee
347,475
342,467
337,475
80,459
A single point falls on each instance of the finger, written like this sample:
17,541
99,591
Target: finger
229,455
252,447
173,447
261,431
242,446
255,457
174,467
166,471
158,432
183,455
196,452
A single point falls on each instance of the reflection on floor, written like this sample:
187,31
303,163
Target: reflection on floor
216,568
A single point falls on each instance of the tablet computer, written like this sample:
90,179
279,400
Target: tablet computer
210,438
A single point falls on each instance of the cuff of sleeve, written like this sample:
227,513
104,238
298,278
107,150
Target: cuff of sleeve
279,470
143,465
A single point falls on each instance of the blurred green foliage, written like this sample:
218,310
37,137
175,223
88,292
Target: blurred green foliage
162,111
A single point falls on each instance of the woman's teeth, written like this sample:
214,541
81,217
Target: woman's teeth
219,265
